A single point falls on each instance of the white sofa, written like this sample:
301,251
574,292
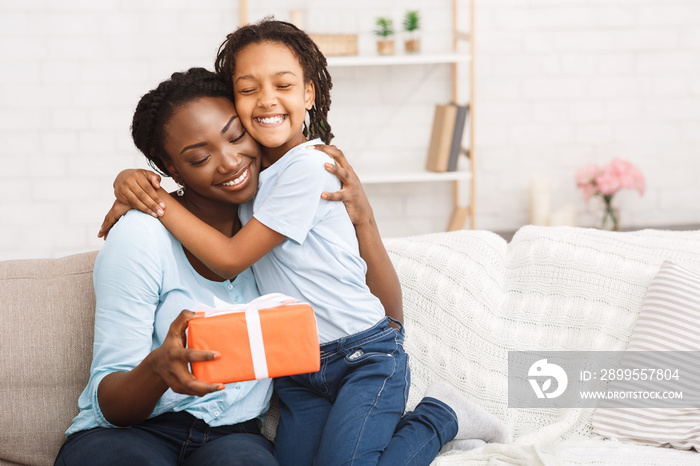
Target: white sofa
469,297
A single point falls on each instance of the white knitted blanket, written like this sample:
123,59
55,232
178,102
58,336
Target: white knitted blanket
470,297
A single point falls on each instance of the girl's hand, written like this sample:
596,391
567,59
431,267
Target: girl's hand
170,361
381,276
137,189
351,194
134,189
116,212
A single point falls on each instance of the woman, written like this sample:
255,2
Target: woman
188,128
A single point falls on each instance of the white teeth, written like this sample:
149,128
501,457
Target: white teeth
236,181
271,120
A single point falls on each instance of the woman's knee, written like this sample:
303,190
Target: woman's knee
112,447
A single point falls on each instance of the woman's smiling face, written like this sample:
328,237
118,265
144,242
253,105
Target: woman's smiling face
210,151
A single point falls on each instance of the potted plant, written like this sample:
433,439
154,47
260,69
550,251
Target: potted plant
385,36
411,24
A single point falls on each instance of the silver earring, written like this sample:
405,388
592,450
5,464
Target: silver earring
180,190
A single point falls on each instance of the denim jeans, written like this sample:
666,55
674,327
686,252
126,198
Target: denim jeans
351,412
169,439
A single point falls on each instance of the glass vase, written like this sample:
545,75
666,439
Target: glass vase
611,217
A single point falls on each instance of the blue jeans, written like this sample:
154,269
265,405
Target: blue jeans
169,439
351,412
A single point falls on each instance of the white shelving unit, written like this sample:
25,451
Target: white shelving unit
392,60
460,178
415,177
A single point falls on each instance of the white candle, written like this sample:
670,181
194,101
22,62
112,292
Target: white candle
540,200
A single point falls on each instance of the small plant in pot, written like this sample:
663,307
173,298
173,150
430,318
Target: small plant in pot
411,24
385,36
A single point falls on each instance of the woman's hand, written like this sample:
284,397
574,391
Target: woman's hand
137,189
170,360
351,194
128,398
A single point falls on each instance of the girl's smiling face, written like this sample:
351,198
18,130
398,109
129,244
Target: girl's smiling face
211,153
272,97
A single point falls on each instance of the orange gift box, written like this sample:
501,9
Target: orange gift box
272,336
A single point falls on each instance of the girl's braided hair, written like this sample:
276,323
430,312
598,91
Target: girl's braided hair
156,107
312,61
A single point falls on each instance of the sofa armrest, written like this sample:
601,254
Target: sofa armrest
48,308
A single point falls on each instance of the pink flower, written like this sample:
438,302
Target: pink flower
609,179
585,179
621,169
639,182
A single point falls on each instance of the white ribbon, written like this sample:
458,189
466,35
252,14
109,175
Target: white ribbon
257,346
252,319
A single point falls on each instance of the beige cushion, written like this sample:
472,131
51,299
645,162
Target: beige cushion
48,310
667,322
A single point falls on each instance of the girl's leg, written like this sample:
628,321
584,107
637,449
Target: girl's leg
369,379
442,415
303,413
421,434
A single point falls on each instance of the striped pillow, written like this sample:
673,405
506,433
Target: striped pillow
668,321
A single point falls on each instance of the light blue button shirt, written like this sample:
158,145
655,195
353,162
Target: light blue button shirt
319,262
142,281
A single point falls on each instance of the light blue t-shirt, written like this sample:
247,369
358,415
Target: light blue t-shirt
142,281
319,262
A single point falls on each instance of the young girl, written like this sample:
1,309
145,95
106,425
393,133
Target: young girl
352,410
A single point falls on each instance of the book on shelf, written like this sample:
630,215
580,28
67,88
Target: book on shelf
446,137
441,137
456,148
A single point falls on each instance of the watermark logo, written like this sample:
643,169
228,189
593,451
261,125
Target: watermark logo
546,372
604,379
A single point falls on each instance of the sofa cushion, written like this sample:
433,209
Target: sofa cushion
470,298
49,308
667,322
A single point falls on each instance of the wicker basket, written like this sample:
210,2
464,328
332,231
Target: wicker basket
335,45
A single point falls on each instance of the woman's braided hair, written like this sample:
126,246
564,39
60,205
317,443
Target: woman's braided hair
312,61
156,107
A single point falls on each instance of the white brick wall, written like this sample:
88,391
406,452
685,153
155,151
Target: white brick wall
559,83
562,83
72,72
